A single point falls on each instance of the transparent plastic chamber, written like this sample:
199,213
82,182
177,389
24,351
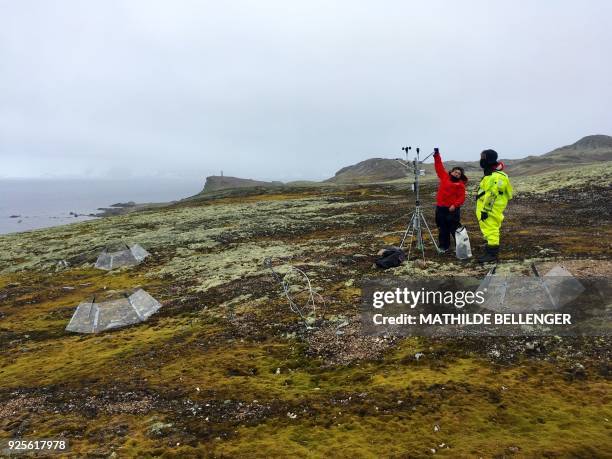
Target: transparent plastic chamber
92,317
129,255
508,293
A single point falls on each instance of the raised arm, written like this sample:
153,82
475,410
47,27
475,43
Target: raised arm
442,174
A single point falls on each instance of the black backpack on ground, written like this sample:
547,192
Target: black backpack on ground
391,258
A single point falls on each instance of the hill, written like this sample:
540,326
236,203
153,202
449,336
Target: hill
590,142
591,149
219,182
370,170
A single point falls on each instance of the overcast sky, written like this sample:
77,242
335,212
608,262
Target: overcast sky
293,89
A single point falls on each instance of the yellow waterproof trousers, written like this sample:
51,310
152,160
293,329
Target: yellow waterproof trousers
491,228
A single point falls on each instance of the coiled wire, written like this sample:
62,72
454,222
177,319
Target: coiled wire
286,285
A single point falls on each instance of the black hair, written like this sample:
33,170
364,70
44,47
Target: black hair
490,156
463,177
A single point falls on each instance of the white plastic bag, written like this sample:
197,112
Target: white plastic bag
463,250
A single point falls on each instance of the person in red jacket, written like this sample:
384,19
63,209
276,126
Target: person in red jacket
450,198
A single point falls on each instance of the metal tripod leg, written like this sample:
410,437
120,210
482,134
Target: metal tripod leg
411,228
408,228
410,244
418,229
419,232
415,229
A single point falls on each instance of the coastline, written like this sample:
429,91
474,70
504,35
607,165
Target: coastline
75,217
30,204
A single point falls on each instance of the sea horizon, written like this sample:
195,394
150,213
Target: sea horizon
34,203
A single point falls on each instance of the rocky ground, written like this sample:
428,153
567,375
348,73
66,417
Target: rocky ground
227,369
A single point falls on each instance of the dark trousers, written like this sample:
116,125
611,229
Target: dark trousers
447,222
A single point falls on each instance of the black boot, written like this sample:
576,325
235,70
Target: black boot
490,255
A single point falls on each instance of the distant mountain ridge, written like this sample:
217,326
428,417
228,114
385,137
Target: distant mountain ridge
590,142
588,150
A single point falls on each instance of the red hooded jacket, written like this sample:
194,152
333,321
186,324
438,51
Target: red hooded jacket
450,193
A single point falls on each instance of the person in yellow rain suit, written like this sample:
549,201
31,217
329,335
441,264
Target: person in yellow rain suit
494,192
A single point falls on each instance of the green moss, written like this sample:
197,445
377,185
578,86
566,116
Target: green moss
226,334
574,177
189,228
472,422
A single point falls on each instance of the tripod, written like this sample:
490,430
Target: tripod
417,220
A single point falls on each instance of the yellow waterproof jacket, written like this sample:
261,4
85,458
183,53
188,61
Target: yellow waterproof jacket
494,192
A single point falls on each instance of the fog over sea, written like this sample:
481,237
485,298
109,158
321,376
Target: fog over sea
27,204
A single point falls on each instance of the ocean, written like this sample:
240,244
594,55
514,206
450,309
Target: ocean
27,204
